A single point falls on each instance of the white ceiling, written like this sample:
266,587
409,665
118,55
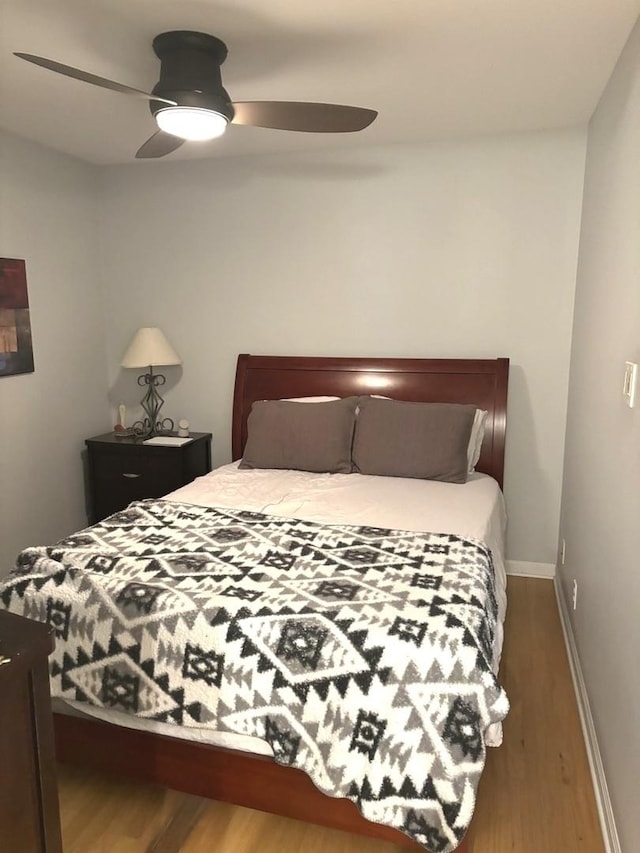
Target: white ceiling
433,68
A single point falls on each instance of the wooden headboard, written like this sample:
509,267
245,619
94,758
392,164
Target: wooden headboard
481,382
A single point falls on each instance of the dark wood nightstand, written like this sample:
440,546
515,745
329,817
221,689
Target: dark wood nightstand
29,815
122,470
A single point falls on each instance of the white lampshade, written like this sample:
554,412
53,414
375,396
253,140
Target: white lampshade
149,348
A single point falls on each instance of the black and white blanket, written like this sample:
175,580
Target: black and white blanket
361,655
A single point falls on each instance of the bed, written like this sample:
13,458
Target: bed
248,777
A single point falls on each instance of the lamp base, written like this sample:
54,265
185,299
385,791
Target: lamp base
152,424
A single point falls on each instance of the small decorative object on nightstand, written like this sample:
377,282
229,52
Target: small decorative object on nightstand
183,427
122,470
149,348
29,815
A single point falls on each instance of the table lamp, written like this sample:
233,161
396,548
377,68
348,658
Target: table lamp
148,349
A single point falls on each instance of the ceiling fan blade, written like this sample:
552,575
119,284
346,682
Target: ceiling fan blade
158,145
77,74
309,117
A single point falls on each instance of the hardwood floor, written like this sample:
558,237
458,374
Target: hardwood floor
535,796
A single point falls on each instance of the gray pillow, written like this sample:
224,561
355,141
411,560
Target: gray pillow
301,436
426,441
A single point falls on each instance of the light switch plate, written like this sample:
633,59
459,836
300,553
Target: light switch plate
630,383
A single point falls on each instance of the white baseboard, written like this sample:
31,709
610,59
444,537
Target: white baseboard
530,570
603,801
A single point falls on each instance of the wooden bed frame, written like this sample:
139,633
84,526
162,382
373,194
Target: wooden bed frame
482,382
253,780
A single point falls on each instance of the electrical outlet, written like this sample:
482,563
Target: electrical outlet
575,593
563,551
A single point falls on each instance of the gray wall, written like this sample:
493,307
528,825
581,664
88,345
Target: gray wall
444,250
48,217
601,494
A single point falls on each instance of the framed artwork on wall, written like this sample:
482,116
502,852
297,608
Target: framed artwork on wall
16,350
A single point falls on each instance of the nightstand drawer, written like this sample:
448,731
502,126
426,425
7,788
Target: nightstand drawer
125,470
114,492
118,465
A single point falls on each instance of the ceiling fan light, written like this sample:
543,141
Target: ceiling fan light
193,123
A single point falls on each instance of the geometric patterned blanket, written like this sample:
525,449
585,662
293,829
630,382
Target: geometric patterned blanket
361,655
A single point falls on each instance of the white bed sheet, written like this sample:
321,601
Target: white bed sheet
474,510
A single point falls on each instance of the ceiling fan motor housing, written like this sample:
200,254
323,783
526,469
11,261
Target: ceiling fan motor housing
190,72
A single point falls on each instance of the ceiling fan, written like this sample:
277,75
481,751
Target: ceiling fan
189,101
